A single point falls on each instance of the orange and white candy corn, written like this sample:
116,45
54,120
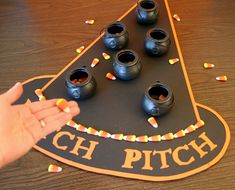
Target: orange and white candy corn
95,62
153,122
106,56
71,123
155,138
179,134
63,105
81,128
104,134
142,139
110,76
92,131
176,17
80,49
117,136
222,78
190,129
199,124
173,61
90,22
39,94
208,65
54,168
130,138
168,136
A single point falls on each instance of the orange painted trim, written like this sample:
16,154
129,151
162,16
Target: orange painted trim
182,62
145,177
88,47
177,45
38,77
138,176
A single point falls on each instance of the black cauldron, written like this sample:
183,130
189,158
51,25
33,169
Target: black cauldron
80,84
147,12
157,42
115,36
127,64
158,99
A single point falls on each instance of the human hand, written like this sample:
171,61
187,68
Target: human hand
20,125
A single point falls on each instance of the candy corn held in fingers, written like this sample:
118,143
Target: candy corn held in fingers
80,49
153,122
95,62
54,168
39,94
63,105
110,76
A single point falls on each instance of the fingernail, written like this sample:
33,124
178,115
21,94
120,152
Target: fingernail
17,84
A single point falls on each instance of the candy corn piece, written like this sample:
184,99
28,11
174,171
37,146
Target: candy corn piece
155,138
106,56
79,50
54,168
168,136
81,128
179,134
63,105
92,131
176,17
199,124
110,76
161,97
39,94
130,138
71,123
95,62
104,134
142,138
117,136
190,129
173,61
153,122
90,22
208,65
222,78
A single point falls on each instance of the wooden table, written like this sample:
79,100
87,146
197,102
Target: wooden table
40,37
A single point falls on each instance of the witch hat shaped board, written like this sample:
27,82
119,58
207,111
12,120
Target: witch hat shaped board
138,115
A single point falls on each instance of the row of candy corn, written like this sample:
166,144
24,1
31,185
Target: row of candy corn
63,105
134,138
222,78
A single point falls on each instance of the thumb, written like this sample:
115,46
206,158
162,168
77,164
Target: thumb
13,93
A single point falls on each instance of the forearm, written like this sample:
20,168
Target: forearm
1,159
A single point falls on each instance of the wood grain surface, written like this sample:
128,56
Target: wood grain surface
40,37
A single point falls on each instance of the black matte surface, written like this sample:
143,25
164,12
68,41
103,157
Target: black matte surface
116,106
110,153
